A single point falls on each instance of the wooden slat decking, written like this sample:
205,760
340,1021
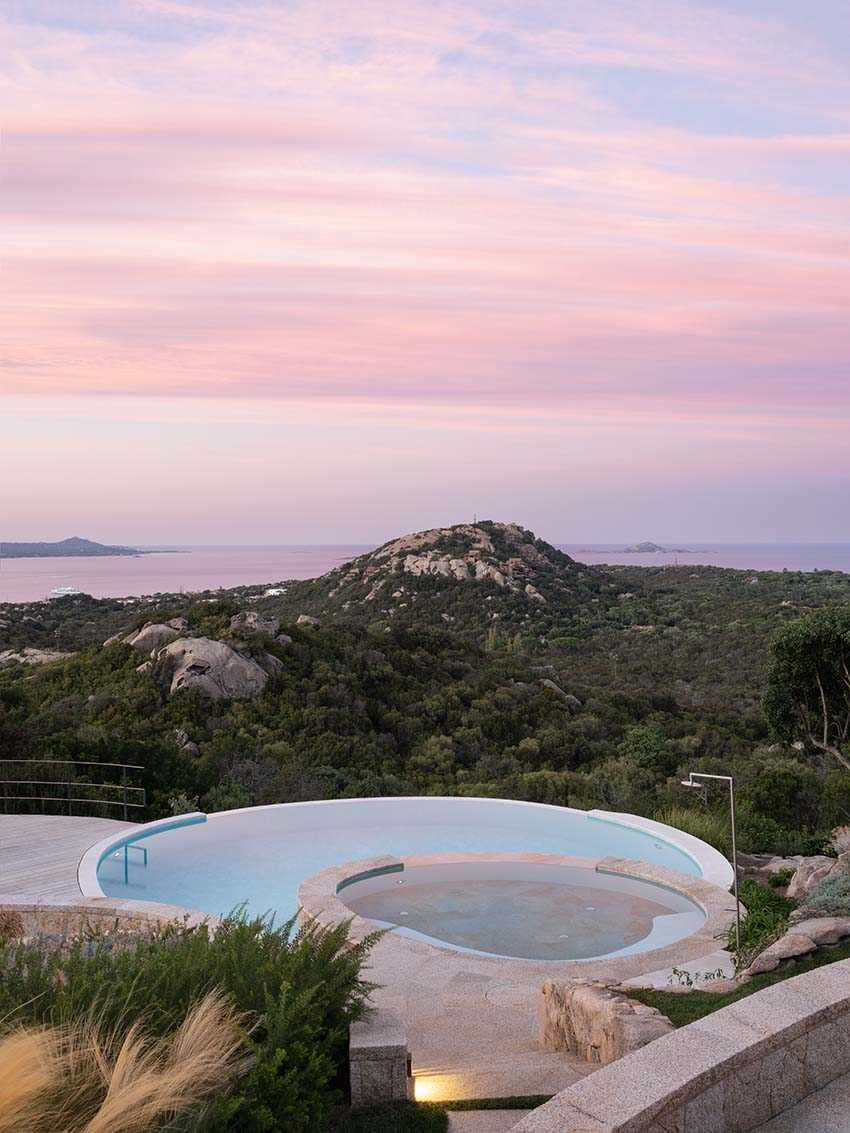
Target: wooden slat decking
39,855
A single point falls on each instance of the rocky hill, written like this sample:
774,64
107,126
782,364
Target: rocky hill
480,577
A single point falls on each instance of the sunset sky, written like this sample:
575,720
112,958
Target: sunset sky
326,271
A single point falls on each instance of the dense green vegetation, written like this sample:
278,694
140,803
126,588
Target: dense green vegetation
298,990
624,680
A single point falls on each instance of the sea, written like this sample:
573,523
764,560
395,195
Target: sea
187,569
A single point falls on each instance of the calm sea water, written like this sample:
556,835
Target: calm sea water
208,568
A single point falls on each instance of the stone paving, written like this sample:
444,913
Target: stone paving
471,1036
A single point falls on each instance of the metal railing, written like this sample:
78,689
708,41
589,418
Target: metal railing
66,792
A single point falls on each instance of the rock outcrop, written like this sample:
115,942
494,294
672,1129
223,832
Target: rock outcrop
152,635
308,620
572,702
808,875
251,621
803,937
213,669
31,656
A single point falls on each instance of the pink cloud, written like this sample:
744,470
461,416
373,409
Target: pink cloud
407,205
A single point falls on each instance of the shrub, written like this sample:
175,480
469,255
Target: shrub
299,988
765,920
410,1117
711,828
786,790
831,898
780,879
761,833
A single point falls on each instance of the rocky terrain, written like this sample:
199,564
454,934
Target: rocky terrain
235,668
469,575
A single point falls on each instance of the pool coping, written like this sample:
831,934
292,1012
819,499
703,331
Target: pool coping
319,900
714,867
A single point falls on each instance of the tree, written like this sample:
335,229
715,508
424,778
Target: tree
647,746
808,693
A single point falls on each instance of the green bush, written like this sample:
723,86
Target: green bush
780,879
766,918
300,989
831,898
788,791
412,1117
762,834
711,828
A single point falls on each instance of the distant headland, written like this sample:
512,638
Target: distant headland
73,547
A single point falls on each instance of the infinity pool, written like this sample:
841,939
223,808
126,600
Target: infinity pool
256,858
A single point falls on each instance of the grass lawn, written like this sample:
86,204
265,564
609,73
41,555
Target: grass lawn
685,1007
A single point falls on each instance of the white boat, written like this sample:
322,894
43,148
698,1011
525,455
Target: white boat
64,592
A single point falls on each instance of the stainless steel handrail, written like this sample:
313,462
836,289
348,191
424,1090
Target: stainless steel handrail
72,785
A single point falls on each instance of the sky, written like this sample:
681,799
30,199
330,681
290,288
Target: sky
328,272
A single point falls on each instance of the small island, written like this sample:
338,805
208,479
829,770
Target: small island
654,548
65,548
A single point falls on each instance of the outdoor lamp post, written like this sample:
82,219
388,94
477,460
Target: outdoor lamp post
691,782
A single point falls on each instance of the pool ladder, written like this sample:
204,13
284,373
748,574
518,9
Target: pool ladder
125,853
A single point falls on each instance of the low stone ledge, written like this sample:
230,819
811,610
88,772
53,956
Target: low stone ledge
730,1072
67,919
379,1061
595,1023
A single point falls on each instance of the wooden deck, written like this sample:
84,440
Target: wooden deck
39,854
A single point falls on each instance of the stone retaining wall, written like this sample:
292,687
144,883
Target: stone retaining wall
69,919
597,1024
727,1073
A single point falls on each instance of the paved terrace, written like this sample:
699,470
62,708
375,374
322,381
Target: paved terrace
39,854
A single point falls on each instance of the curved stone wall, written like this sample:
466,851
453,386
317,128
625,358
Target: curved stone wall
69,919
727,1073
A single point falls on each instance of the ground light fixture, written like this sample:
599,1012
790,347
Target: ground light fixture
696,780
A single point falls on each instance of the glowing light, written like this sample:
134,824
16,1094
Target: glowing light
433,1087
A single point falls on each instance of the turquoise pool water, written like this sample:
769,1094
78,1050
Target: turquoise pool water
259,857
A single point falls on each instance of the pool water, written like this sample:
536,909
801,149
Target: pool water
523,918
257,858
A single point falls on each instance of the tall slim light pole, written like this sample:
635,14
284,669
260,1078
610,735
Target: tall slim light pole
691,781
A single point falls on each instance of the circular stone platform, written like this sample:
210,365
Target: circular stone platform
325,895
